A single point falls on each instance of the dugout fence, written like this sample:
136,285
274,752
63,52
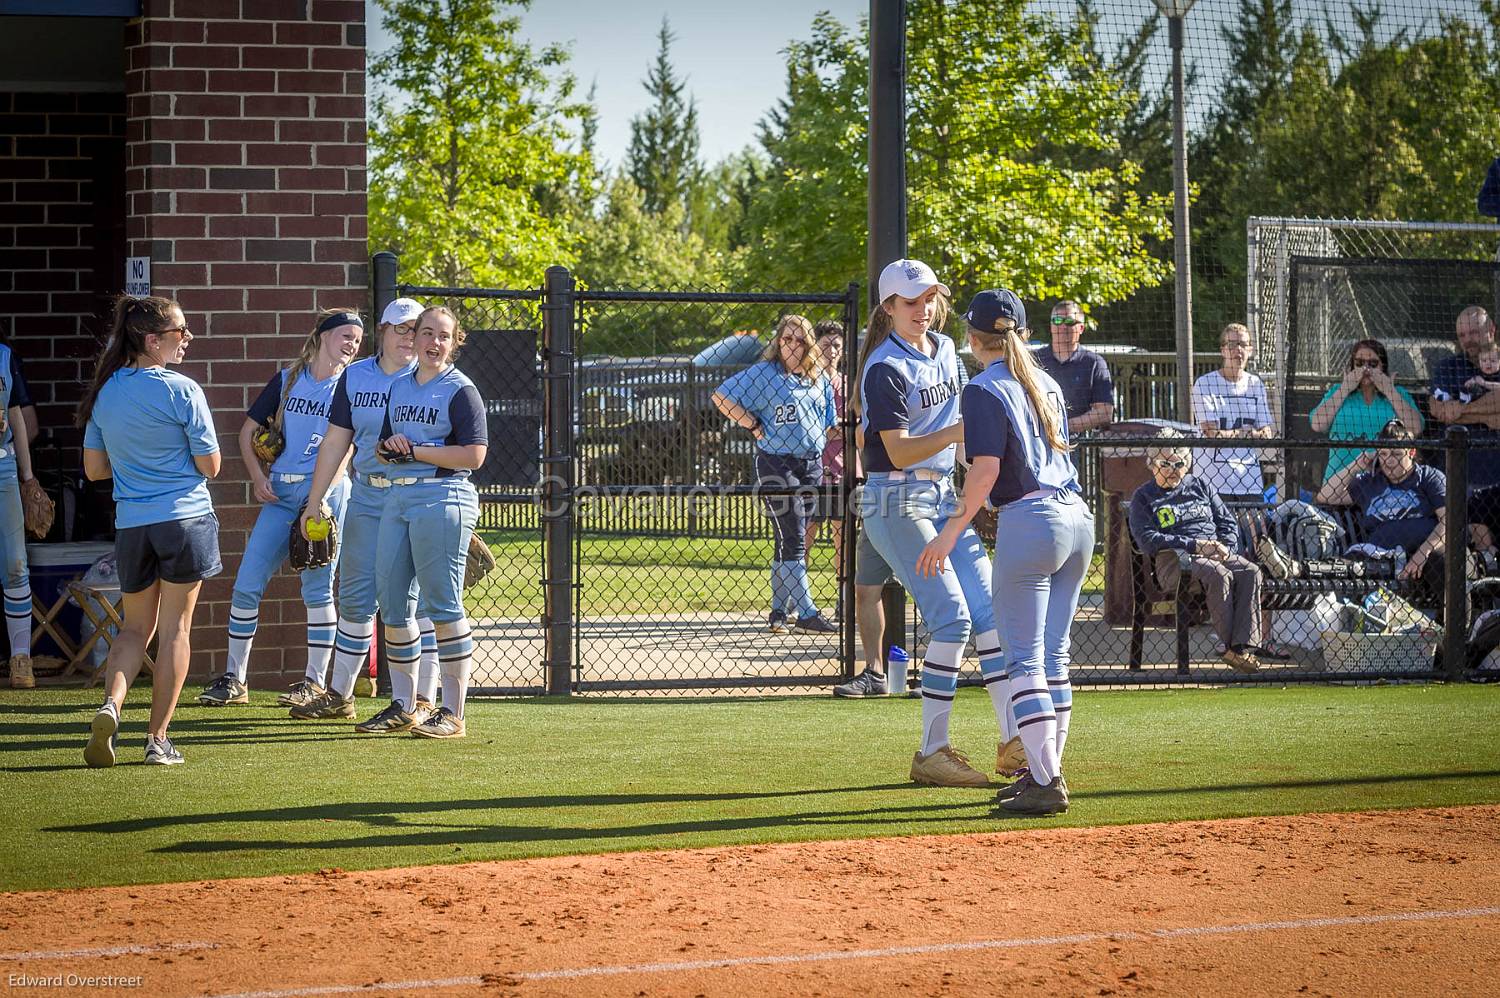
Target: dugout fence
633,545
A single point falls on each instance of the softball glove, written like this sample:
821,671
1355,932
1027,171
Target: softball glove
37,508
479,561
268,443
306,554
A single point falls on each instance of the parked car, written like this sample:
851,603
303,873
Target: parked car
652,421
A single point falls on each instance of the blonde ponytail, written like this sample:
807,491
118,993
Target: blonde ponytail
1013,350
876,333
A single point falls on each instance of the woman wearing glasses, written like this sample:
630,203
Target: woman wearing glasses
1358,406
1179,520
150,429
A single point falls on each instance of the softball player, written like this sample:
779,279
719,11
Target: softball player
908,400
356,419
304,394
15,468
1016,434
435,435
787,402
150,429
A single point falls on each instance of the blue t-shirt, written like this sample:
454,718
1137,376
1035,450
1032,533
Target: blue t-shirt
446,410
1084,378
304,419
359,404
903,388
151,422
1403,514
1000,422
13,394
794,413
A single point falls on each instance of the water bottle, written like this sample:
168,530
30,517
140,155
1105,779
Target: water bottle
898,665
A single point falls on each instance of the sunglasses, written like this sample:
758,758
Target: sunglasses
1065,320
1164,463
1375,364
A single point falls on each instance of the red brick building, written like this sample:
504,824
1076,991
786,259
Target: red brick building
225,141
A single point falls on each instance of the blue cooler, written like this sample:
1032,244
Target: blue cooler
53,566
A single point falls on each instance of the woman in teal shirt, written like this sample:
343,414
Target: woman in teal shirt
1357,407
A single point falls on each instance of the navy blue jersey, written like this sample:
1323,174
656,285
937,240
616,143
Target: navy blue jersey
1083,377
1399,514
359,404
445,411
1162,519
794,412
1000,422
903,388
304,418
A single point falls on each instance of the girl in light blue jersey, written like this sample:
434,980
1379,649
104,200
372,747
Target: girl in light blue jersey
787,402
15,468
150,429
908,398
1016,434
359,404
303,395
435,435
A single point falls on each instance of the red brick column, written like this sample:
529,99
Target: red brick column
246,182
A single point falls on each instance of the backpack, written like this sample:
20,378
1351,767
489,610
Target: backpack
1308,533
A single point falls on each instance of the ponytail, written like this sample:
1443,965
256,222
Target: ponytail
1013,350
133,320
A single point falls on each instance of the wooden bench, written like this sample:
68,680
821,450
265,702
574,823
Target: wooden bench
1275,594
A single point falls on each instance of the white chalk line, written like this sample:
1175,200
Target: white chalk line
70,954
870,954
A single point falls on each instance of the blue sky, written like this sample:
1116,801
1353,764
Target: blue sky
729,53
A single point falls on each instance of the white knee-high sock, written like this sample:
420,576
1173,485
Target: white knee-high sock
322,621
427,672
1037,724
242,624
992,668
455,654
18,618
351,653
939,684
403,647
1062,706
403,686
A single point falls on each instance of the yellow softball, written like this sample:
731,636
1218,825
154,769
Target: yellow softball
317,530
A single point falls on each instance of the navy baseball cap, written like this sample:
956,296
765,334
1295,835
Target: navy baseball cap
989,307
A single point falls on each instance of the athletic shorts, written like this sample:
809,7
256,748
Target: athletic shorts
870,569
181,551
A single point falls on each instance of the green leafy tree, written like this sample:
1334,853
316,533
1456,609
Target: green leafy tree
1014,171
475,176
662,158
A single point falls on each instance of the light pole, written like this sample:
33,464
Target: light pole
1175,11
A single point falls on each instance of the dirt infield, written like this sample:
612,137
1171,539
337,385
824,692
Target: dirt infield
1399,902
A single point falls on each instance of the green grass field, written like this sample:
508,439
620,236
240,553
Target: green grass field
261,794
671,575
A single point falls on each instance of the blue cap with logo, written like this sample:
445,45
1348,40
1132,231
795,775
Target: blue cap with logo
990,307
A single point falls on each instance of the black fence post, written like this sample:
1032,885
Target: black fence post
848,423
383,292
558,500
383,283
1456,554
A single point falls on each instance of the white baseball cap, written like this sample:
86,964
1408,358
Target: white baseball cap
401,310
909,279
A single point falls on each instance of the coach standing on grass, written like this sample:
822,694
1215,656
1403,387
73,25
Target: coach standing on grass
1083,376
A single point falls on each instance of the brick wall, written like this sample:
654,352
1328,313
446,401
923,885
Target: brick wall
61,243
245,176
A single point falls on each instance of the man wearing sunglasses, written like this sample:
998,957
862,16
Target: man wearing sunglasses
1179,512
1088,390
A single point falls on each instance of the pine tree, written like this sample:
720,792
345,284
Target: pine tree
662,158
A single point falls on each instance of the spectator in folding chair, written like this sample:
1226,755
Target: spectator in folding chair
1180,522
1231,402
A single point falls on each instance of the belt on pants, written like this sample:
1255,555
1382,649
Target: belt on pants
923,474
1046,493
277,476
